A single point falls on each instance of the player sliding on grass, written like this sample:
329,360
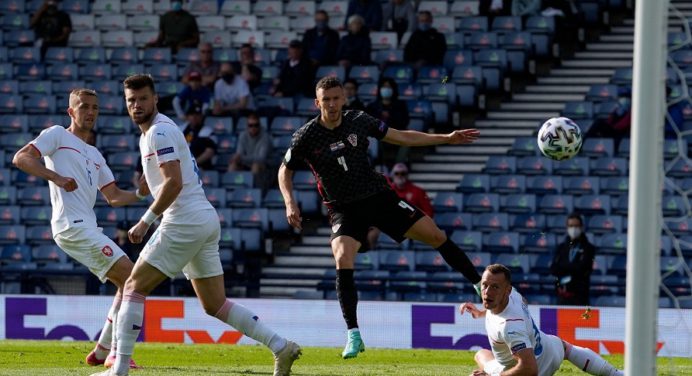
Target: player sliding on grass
187,239
518,346
75,171
335,146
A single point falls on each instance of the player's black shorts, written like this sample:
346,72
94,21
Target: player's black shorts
392,215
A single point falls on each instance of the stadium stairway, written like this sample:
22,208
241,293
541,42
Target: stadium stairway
304,265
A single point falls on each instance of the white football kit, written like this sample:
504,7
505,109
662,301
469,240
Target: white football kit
513,330
73,222
188,237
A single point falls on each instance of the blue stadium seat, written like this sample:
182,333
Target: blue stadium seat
578,110
21,179
216,196
602,92
517,263
529,283
163,72
219,125
42,87
481,40
604,166
306,107
16,258
468,241
518,203
615,185
96,72
109,124
453,221
592,204
473,24
428,261
501,241
114,143
614,243
62,71
237,179
14,38
445,282
14,21
540,299
9,87
679,168
619,205
573,166
110,216
210,178
680,227
231,238
36,235
492,58
524,147
26,72
111,104
482,202
539,242
673,206
385,56
555,204
420,109
372,280
155,56
36,215
5,176
529,222
225,216
124,56
467,76
506,23
544,184
500,165
610,301
226,144
488,222
402,74
39,104
124,70
473,183
431,74
6,71
509,183
447,202
76,6
244,198
581,185
304,180
14,123
308,201
12,234
8,195
25,55
458,58
9,215
50,258
331,71
534,165
410,91
278,222
90,55
365,74
67,86
37,196
396,260
439,92
273,199
286,125
605,224
622,76
251,218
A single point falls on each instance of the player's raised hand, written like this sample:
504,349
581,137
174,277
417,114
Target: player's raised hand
463,136
68,184
293,216
137,232
470,308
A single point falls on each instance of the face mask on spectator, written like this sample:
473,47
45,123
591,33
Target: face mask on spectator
424,26
573,232
176,6
321,25
228,77
386,92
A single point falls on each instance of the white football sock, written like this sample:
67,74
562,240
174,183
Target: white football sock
590,362
241,318
130,319
108,337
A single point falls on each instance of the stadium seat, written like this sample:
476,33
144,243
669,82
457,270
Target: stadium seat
50,258
229,8
111,104
482,202
528,222
411,91
36,87
605,224
680,226
9,215
445,282
534,165
602,92
501,241
473,24
427,261
16,258
37,235
468,241
474,183
447,202
578,110
9,87
36,215
555,204
508,184
110,216
592,204
278,222
122,71
614,243
524,147
122,161
581,185
277,23
396,260
8,195
544,184
408,281
110,124
14,38
573,166
251,218
540,299
540,242
286,125
39,104
402,74
517,263
518,203
306,107
244,198
453,221
604,166
25,55
237,179
679,168
481,40
615,185
506,23
500,165
488,222
204,7
365,74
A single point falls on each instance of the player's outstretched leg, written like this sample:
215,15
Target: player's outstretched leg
354,344
107,339
348,300
589,362
426,231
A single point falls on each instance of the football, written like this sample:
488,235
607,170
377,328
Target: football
559,138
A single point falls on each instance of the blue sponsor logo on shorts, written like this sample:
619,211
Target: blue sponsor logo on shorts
517,347
164,151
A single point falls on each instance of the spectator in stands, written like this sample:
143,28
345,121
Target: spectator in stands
206,66
387,107
199,137
572,264
427,46
370,10
320,42
254,147
251,73
355,47
494,8
296,75
526,7
399,16
231,93
177,29
193,93
405,189
51,25
351,92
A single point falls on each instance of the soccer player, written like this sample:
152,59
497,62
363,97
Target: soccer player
187,238
335,146
518,346
75,171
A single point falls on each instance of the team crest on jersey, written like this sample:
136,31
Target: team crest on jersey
337,146
353,139
107,251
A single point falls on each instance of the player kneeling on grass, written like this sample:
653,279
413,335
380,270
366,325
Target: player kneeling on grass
75,172
187,239
518,346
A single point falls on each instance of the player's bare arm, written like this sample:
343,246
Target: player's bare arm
472,310
526,364
415,138
172,185
286,187
28,160
118,197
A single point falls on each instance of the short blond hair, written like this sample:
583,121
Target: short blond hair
76,93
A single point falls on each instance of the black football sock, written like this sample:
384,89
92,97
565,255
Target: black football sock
457,259
348,296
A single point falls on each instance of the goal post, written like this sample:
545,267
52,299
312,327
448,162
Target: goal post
645,182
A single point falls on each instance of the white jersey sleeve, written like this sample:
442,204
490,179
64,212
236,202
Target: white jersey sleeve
163,144
105,175
48,140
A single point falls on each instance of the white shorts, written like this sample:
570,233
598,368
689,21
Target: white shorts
548,362
194,249
91,248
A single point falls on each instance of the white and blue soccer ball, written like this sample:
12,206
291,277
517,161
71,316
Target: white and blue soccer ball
559,138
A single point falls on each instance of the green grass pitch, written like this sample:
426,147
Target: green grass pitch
43,358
